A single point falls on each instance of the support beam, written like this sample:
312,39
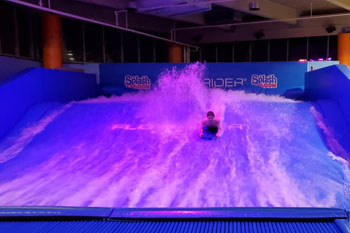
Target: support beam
344,48
175,53
196,18
52,41
268,9
120,4
309,27
100,22
341,3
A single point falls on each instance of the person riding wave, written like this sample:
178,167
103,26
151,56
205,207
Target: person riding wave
210,126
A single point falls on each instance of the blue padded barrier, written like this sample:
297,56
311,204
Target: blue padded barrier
41,85
176,213
72,219
286,78
39,211
235,212
330,89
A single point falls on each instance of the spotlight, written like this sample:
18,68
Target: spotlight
132,6
131,9
330,28
254,6
345,30
258,35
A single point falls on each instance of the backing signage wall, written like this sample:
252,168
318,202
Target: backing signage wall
278,78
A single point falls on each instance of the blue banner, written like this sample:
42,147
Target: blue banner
278,78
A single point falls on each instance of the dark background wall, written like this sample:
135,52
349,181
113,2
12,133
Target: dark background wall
20,36
289,49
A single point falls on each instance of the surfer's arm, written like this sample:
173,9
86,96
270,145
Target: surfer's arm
202,128
218,133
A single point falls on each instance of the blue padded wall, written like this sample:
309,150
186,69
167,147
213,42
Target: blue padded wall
94,219
37,85
288,77
330,89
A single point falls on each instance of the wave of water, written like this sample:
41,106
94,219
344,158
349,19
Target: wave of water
144,150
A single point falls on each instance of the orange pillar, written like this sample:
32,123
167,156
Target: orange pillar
175,53
52,41
344,48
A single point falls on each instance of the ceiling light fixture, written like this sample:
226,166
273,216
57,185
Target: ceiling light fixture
258,35
330,28
254,6
132,6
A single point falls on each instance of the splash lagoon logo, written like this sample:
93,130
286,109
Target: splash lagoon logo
264,81
137,82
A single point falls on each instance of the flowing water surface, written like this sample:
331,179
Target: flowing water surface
144,150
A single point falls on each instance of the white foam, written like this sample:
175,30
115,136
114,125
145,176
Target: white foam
331,141
146,152
28,134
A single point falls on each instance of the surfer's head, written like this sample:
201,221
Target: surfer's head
210,115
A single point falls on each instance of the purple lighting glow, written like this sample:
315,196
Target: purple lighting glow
143,150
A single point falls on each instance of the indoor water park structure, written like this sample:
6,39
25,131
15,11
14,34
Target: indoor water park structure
111,146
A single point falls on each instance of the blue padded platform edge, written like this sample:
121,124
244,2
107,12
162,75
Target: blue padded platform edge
173,213
342,225
242,213
55,212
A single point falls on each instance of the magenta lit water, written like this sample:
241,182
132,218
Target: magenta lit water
144,150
